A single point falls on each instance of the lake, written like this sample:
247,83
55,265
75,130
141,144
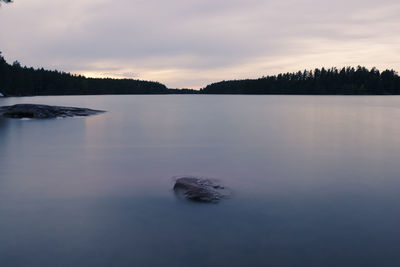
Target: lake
315,182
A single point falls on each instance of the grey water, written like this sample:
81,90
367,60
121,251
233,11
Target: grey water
315,181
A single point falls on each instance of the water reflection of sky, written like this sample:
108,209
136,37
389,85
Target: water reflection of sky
314,178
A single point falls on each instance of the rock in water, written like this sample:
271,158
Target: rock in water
200,190
44,111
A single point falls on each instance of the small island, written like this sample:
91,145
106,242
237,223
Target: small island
35,111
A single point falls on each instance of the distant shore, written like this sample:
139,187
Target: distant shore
16,80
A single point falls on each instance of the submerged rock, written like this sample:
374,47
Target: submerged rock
200,189
44,111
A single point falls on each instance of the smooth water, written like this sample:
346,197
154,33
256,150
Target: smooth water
316,182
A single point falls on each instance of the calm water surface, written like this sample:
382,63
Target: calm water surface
316,182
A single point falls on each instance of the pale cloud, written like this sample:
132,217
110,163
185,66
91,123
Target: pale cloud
186,43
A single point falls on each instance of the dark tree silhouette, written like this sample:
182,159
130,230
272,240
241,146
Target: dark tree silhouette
346,81
16,80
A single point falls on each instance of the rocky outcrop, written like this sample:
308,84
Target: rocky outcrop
44,111
200,189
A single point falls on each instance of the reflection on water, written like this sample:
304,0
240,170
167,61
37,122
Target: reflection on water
315,181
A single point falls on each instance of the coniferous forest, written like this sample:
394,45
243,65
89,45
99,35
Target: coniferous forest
345,81
16,80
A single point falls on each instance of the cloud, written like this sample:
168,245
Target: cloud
191,43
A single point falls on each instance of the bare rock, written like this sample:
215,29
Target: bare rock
44,111
200,189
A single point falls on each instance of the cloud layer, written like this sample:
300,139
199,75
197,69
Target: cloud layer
192,43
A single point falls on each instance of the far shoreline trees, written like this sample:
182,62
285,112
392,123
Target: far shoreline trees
16,80
333,81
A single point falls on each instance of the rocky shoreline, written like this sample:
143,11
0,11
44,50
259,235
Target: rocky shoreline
36,111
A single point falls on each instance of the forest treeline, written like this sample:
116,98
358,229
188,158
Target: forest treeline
16,80
345,81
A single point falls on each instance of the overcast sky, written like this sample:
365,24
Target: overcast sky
191,43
